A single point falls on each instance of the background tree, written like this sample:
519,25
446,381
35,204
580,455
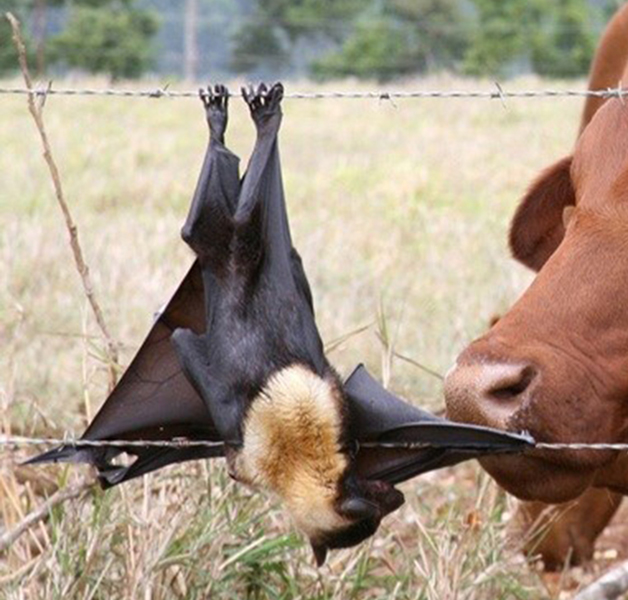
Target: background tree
269,33
8,56
259,46
500,35
190,39
550,38
39,12
378,48
406,36
99,36
381,39
564,46
103,36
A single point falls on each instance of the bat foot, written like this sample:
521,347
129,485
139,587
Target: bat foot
216,101
264,103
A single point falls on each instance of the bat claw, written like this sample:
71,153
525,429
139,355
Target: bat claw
275,96
264,103
203,95
216,101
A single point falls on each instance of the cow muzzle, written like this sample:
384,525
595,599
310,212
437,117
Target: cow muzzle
512,396
488,393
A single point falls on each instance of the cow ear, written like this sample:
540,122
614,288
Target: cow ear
537,228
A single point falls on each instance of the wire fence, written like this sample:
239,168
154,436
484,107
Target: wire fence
497,93
69,440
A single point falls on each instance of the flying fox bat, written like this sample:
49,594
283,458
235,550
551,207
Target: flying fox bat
236,359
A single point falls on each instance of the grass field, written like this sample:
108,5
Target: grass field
400,212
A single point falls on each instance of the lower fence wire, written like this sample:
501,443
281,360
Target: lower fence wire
19,441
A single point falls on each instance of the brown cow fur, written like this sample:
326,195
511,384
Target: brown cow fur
543,205
565,532
609,63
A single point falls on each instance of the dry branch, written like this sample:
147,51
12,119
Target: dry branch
608,587
40,513
36,109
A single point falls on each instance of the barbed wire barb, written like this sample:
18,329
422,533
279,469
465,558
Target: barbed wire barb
500,95
620,97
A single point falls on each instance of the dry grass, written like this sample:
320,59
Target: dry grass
397,209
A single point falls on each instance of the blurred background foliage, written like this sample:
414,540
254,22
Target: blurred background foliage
367,39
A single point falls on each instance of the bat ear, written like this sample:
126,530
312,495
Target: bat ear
320,552
359,508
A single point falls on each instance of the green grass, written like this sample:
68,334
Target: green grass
398,210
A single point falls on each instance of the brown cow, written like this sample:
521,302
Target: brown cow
556,364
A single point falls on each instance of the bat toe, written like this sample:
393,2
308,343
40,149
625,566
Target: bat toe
264,102
275,96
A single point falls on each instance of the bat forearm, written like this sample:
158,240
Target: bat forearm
210,218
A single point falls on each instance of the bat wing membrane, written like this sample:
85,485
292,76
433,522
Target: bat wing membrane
152,401
379,417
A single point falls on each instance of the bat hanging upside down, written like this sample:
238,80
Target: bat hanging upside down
235,358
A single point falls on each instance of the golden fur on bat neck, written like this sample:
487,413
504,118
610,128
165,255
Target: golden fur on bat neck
292,447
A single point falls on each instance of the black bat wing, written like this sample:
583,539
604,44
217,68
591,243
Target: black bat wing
152,401
262,206
378,417
209,230
262,190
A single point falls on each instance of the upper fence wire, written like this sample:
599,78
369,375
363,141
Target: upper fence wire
496,93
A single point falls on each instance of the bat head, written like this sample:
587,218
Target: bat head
294,446
361,504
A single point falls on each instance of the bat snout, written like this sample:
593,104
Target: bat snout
364,504
386,495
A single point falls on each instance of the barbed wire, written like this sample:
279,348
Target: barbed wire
533,446
499,93
69,440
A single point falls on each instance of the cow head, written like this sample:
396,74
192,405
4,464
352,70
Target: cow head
556,364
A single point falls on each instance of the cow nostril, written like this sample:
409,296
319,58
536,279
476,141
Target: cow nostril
511,385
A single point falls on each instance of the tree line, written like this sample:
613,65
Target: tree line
374,39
